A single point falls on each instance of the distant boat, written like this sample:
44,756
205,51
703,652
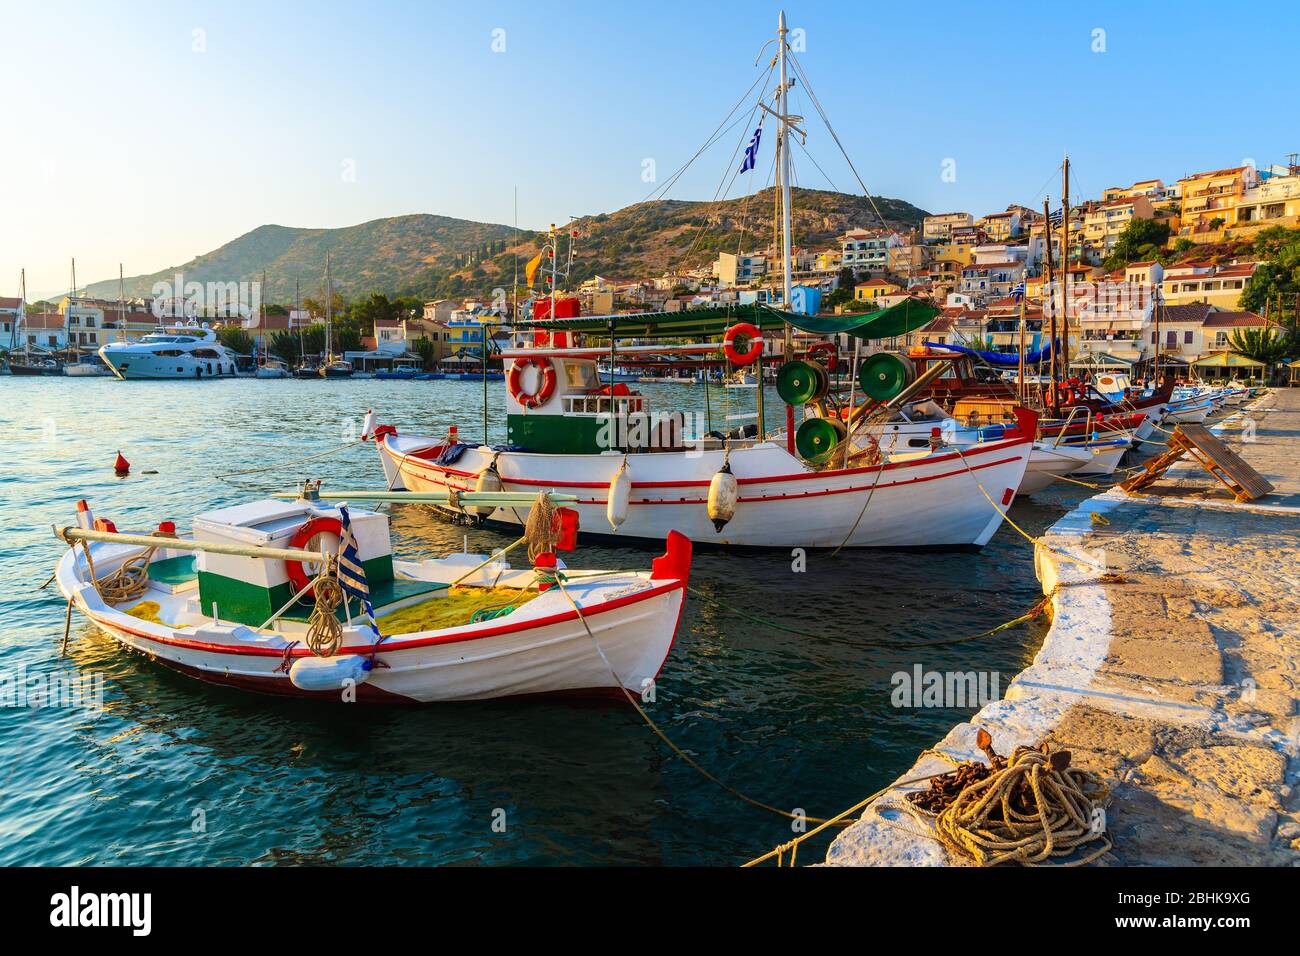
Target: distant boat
171,352
88,366
307,370
272,368
337,369
35,366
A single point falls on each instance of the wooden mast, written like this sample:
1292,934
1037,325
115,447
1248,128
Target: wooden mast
1052,401
1065,255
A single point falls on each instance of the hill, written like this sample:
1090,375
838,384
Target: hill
427,255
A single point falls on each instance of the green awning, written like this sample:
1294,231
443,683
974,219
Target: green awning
1228,360
709,321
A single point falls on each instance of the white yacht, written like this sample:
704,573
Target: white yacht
177,351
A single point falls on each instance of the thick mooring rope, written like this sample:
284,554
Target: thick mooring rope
1027,810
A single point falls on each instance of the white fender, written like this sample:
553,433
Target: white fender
368,425
723,495
489,479
620,495
329,673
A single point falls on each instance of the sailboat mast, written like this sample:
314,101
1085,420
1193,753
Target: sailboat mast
1065,254
67,313
121,304
783,144
1049,302
22,308
329,311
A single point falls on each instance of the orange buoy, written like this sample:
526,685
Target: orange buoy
121,466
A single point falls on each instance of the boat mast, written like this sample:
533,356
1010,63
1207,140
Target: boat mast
121,304
783,144
22,310
261,321
329,311
1049,303
1065,255
67,313
297,283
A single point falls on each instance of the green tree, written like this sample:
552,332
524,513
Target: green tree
235,339
424,348
1133,241
1267,345
284,345
1277,280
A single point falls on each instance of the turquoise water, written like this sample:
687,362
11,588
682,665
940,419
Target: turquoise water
176,772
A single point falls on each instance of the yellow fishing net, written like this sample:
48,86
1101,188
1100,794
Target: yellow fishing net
456,608
148,611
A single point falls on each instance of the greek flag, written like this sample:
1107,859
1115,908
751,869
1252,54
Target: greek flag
751,151
1018,292
352,576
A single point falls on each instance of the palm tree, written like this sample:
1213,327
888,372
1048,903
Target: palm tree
1268,345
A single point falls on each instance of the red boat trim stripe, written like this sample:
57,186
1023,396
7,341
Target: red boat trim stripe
753,499
387,648
803,476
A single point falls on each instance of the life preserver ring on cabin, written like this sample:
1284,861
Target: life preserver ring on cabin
514,382
308,530
743,330
830,350
1065,395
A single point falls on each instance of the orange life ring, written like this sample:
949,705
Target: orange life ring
309,529
829,349
514,383
1065,395
748,331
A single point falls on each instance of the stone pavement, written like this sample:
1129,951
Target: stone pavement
1180,684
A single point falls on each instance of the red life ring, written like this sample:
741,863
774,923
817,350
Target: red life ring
748,331
309,529
514,383
829,349
1065,396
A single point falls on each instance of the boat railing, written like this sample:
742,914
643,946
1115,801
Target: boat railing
1069,420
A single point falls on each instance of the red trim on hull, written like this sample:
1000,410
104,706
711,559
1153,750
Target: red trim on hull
415,458
756,498
392,646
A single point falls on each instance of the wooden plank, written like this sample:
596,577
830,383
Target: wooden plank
1198,442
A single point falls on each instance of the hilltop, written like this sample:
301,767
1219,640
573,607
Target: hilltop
428,255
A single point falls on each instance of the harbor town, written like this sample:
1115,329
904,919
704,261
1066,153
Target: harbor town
750,518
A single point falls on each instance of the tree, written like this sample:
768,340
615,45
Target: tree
424,348
1277,280
1266,345
284,345
1132,242
235,339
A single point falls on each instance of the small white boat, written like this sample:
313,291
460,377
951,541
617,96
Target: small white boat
1106,455
219,604
272,368
1190,411
88,366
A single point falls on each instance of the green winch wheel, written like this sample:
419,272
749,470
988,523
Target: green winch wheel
884,375
817,438
800,382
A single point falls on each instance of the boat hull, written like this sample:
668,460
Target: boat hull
933,502
544,648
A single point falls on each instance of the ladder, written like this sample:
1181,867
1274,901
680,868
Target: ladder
1199,444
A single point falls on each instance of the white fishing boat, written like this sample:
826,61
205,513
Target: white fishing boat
262,596
638,472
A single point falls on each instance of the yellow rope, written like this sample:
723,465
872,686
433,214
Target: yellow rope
1032,808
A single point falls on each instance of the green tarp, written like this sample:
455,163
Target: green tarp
709,321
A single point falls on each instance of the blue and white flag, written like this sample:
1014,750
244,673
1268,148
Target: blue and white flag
751,151
352,575
1018,292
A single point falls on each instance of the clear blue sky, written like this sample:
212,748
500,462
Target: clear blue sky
131,137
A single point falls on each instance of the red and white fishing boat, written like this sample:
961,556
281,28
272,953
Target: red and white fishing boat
219,604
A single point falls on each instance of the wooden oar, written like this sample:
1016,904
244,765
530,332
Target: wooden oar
500,499
185,544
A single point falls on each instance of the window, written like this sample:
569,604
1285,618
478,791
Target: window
1187,337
